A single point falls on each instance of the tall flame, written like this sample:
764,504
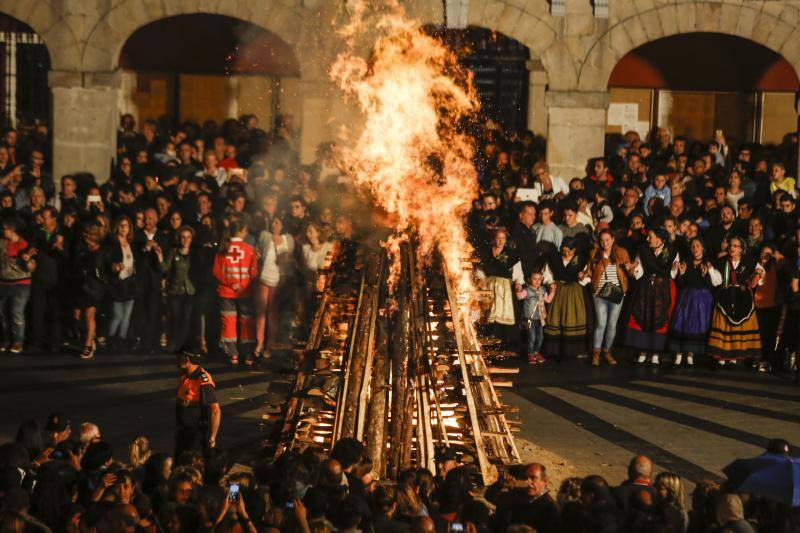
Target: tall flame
412,153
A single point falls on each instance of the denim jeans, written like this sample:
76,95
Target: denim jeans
181,331
13,299
606,328
535,336
120,318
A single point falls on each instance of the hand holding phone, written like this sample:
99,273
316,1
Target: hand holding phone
233,492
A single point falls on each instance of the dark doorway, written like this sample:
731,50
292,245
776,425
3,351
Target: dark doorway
501,74
24,64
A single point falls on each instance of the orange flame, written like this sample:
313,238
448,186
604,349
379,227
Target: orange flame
412,153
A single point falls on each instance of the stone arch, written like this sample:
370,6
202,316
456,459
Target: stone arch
531,25
106,38
46,19
774,28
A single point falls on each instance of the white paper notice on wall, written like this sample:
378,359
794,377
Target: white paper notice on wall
625,115
615,114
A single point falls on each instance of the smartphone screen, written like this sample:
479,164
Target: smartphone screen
455,526
233,491
290,505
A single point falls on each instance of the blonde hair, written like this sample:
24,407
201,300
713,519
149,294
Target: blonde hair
88,432
244,480
540,165
139,451
674,486
408,502
192,472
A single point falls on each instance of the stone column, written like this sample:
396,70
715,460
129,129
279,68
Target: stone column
576,130
313,99
85,118
537,88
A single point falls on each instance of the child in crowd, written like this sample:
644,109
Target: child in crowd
658,189
534,313
601,210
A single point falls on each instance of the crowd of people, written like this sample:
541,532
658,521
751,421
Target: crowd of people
55,480
667,248
210,236
205,233
199,239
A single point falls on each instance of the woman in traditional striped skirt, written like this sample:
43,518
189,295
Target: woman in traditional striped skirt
691,320
568,317
734,323
653,298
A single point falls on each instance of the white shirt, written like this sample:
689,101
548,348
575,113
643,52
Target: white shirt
270,272
547,275
558,185
316,259
638,272
127,262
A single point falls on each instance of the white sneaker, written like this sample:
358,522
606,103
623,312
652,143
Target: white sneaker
690,360
654,360
678,359
642,359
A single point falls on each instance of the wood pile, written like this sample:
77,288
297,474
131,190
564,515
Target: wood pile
403,372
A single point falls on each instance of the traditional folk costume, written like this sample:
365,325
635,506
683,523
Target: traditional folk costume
568,317
734,324
652,301
498,279
691,319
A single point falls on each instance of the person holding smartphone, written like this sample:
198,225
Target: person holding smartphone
234,510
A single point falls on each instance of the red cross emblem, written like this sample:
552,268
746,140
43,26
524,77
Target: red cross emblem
236,253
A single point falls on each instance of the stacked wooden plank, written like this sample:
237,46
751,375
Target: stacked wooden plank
401,370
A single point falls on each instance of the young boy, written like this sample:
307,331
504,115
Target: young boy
658,189
534,313
601,210
546,230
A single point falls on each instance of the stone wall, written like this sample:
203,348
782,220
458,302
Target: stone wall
573,54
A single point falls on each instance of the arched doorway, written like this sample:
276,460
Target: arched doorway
205,66
24,63
500,66
696,83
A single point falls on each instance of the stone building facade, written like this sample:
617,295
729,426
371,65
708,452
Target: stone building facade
574,44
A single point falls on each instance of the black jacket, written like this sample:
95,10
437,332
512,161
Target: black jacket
120,289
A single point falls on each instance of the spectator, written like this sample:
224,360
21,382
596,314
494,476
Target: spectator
534,313
90,271
528,502
691,319
16,265
276,250
607,266
566,326
181,266
671,514
640,475
121,259
730,516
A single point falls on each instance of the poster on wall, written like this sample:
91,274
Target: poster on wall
626,116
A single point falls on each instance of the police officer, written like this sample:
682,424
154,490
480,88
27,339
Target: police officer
198,413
